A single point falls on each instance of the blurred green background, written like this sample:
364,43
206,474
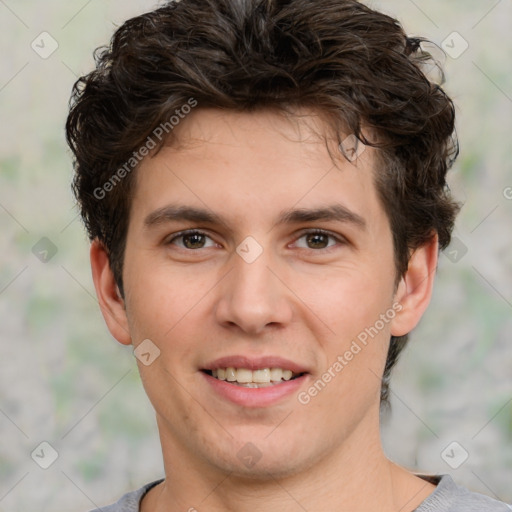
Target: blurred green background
64,380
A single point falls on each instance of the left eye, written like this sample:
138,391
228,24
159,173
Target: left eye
317,240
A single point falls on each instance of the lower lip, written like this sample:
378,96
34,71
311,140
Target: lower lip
255,397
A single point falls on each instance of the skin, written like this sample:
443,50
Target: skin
300,299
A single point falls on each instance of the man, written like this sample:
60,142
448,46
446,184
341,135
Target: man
263,184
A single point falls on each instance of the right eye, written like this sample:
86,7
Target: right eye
191,240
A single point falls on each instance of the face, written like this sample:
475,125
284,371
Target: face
248,247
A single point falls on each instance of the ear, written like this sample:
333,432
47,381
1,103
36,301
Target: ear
415,288
109,298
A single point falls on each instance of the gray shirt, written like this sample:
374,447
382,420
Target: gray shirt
447,497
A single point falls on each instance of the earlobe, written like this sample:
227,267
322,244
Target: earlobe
109,297
415,288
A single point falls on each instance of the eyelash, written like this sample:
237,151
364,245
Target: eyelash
339,239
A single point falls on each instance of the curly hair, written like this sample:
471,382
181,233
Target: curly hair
354,65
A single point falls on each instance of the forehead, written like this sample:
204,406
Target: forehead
257,162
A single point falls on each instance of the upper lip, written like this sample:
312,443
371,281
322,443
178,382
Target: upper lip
255,363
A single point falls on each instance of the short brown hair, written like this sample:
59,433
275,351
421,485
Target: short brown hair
353,64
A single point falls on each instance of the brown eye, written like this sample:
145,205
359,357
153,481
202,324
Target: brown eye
317,240
192,240
195,241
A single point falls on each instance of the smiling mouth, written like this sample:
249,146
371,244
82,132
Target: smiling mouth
247,378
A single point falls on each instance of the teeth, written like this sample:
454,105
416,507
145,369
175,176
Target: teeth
287,374
243,375
230,374
276,374
261,375
246,376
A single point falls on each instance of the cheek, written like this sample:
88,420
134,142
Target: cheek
346,300
158,300
346,308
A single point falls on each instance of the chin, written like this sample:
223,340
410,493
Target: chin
262,470
261,459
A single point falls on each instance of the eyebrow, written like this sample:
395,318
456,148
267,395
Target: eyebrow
334,212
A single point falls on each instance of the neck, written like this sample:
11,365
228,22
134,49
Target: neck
356,476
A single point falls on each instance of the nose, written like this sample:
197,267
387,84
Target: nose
254,297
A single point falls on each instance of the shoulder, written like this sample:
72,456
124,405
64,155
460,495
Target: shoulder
450,497
130,502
